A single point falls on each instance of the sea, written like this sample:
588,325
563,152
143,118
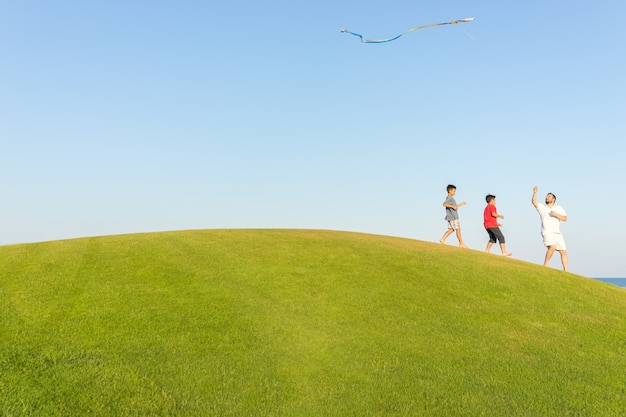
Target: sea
620,282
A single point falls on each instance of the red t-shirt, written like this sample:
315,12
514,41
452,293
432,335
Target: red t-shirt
490,220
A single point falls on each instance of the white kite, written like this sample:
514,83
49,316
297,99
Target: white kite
453,22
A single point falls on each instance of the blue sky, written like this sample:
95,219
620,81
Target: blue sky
140,116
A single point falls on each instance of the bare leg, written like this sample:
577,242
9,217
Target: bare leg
564,259
445,236
549,254
458,236
489,244
504,252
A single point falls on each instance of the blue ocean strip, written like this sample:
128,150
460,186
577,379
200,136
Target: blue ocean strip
620,282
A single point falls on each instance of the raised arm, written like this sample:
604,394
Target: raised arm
534,200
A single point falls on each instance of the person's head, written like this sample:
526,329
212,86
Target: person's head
491,199
550,198
451,189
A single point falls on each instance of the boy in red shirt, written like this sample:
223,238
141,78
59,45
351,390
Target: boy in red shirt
492,226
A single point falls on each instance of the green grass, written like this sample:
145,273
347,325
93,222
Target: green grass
301,323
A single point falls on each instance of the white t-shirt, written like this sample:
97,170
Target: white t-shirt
549,223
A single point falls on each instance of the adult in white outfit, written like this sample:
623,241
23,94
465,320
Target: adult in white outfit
551,218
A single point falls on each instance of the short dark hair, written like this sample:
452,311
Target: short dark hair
489,198
450,187
552,194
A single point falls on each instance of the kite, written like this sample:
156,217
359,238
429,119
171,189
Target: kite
453,22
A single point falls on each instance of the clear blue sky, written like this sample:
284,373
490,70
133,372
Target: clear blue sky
140,116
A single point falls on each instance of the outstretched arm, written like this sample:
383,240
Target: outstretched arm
534,200
455,207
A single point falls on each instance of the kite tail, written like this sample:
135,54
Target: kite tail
352,33
452,22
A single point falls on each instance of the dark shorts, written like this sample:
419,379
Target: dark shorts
495,234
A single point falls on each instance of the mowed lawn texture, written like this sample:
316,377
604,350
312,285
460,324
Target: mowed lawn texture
301,323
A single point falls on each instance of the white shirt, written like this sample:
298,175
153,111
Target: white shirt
549,223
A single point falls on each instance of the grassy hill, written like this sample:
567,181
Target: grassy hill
301,323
